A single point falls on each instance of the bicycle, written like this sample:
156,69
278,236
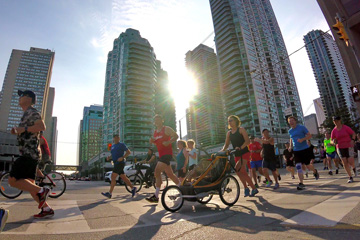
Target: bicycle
137,179
53,180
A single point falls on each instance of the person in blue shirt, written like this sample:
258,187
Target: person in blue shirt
119,152
302,153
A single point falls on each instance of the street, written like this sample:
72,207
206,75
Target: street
329,208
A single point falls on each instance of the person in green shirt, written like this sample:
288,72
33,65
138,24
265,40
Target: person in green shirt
331,153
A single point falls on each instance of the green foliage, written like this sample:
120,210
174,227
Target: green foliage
344,113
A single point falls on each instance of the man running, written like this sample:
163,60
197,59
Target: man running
331,154
289,159
302,155
163,137
119,152
256,161
22,174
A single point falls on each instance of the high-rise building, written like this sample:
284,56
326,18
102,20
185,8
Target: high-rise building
129,97
90,133
208,106
27,70
310,123
257,80
50,133
164,102
190,121
319,110
330,73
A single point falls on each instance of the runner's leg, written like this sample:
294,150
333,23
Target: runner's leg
113,182
126,180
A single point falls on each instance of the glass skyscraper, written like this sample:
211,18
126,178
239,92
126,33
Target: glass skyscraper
257,80
330,73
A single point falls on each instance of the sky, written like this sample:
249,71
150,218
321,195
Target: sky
81,32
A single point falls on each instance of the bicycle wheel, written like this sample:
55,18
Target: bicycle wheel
60,184
172,199
229,190
136,181
165,181
5,189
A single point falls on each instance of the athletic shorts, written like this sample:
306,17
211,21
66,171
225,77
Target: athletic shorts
303,156
345,152
24,168
244,157
290,163
332,155
256,164
166,159
269,165
119,168
181,173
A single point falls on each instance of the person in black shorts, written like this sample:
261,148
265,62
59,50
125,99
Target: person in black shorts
289,159
150,159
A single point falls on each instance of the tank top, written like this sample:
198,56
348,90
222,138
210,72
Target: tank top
180,160
161,137
268,152
237,140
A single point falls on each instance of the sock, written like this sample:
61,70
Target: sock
41,190
157,191
46,209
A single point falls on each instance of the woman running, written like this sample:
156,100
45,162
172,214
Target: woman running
182,160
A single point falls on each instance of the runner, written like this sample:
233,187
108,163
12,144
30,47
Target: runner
269,162
289,159
239,139
312,149
192,154
330,153
163,137
302,155
22,174
344,138
323,157
119,153
3,218
256,160
150,159
182,160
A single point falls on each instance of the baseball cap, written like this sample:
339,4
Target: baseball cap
336,118
28,93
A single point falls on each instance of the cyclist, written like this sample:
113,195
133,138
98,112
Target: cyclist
22,174
119,152
45,156
163,137
150,159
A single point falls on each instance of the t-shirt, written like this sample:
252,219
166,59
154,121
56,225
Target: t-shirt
117,151
255,146
297,133
287,155
342,136
192,161
29,143
329,149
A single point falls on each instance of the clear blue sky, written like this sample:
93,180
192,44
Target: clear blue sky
81,34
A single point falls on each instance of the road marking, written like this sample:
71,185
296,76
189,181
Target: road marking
329,212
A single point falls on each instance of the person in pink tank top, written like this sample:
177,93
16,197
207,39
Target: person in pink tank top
163,137
344,137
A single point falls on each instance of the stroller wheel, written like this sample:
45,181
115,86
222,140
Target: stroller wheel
172,199
205,200
229,190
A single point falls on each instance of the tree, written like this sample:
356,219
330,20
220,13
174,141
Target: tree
344,113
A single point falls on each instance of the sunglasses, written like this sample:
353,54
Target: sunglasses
230,120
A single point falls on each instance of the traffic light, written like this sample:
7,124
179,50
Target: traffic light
109,147
341,31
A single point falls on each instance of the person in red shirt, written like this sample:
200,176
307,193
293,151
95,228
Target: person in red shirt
45,155
255,159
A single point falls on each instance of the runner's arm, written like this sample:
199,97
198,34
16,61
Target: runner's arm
38,126
227,142
173,135
246,138
127,153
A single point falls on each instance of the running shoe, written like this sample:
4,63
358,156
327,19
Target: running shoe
133,191
306,174
43,196
292,177
106,194
355,173
316,174
279,177
350,180
337,171
246,192
3,218
324,168
269,184
330,172
254,192
276,186
256,185
301,186
44,214
152,199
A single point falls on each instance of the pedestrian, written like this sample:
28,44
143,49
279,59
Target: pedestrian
269,162
344,138
289,159
22,174
192,154
302,153
182,160
331,154
256,160
163,138
239,139
119,153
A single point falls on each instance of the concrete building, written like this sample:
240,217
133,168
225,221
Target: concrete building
330,73
208,106
311,124
349,13
319,110
27,70
257,80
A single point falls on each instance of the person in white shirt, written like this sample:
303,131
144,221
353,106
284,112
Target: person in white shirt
192,154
